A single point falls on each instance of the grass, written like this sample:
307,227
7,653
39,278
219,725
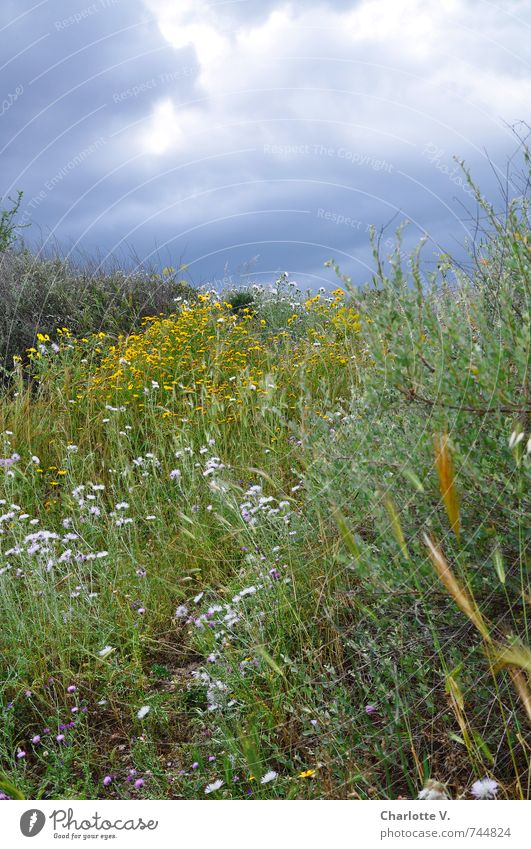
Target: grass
294,529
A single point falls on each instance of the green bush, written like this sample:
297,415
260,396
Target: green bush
39,294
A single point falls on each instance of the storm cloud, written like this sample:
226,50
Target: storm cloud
253,136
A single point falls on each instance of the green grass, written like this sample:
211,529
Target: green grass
333,589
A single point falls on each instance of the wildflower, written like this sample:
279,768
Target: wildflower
106,650
175,474
433,791
308,773
21,754
181,612
36,739
60,738
515,438
269,776
139,783
211,758
71,689
485,788
122,505
370,710
195,765
107,780
143,711
211,788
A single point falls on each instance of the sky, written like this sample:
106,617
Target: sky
248,137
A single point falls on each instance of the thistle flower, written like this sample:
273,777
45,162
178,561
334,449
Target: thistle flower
139,783
107,780
485,788
71,689
36,739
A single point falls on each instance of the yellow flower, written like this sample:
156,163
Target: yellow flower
307,773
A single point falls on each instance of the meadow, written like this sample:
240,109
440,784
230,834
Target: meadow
269,544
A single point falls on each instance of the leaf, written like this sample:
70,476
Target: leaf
269,660
515,655
396,527
498,564
346,534
458,592
9,789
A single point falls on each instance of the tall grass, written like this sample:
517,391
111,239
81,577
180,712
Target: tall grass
292,527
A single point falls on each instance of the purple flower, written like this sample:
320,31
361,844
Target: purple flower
274,574
60,738
9,461
28,694
71,689
211,758
107,780
195,765
370,710
139,783
21,754
141,610
35,740
45,730
3,797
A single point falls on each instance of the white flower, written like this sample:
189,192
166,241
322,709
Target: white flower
211,788
143,711
433,791
486,788
175,474
515,438
105,651
269,776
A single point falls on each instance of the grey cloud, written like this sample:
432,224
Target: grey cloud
287,153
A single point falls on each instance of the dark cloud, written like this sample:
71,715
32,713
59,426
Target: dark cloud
217,133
